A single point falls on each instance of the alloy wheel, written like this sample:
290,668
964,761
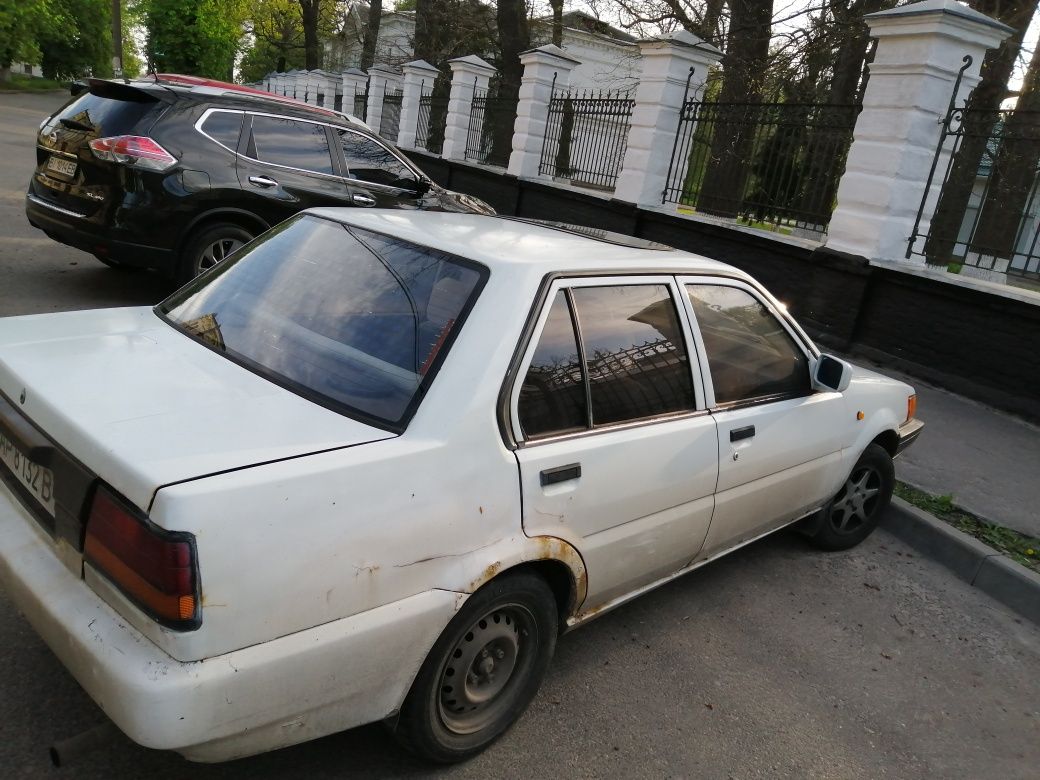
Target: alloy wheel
857,501
216,252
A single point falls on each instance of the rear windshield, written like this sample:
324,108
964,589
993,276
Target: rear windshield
105,116
354,320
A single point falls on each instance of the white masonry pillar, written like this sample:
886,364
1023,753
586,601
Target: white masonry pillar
381,79
354,83
267,82
667,64
276,84
419,76
921,48
541,66
327,84
313,82
293,86
468,75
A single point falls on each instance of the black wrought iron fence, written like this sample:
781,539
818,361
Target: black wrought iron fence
390,118
491,120
767,164
433,116
987,215
586,136
361,105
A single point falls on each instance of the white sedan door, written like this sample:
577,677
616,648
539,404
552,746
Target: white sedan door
617,453
779,440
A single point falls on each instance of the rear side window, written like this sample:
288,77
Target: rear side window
370,161
750,354
104,115
292,143
223,127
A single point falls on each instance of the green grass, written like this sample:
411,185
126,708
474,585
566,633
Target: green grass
22,83
1019,547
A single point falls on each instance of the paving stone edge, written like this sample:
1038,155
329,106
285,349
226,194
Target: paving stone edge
978,564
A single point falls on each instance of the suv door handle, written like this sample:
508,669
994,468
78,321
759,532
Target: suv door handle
560,474
263,181
363,200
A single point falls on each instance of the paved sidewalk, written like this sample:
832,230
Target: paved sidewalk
988,461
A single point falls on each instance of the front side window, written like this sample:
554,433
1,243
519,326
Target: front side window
370,161
292,143
750,354
355,320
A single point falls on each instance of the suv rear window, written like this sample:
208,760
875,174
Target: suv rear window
354,320
107,116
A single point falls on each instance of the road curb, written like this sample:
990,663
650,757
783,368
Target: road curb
978,564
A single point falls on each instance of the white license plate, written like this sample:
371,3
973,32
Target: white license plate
58,165
38,480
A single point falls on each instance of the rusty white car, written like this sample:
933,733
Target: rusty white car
370,468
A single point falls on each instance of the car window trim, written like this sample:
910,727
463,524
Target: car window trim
771,306
328,140
566,282
208,113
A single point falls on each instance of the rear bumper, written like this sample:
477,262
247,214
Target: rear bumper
289,690
908,433
80,232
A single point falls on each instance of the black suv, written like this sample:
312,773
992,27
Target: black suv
175,173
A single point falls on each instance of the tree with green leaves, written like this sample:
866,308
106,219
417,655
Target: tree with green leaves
197,37
80,42
20,23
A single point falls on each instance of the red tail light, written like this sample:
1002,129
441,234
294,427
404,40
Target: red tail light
135,150
153,567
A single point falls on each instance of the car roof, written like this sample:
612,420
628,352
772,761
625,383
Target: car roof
546,246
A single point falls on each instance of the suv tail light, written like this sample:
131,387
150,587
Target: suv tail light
153,567
137,151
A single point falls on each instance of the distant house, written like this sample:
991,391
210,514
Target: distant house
609,56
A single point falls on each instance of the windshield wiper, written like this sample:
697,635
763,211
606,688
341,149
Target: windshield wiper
75,124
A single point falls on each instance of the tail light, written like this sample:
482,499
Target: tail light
153,567
137,151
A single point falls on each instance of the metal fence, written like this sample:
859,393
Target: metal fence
987,215
390,119
491,119
433,116
768,164
586,137
361,105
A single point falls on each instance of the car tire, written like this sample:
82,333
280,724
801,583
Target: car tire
214,243
854,513
483,671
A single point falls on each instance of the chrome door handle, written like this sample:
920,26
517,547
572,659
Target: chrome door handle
263,181
363,200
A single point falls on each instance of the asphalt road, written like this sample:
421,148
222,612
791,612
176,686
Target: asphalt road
777,661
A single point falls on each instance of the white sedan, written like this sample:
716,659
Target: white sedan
370,468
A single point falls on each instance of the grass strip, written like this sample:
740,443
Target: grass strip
1019,547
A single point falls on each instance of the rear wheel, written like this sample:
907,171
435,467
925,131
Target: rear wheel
483,671
854,513
213,244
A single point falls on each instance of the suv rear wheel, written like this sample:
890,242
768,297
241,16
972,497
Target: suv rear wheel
213,244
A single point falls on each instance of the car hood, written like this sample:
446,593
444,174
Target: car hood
142,405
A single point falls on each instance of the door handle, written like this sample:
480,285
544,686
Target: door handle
363,200
736,434
560,474
263,181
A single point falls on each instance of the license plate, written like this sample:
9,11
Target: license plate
59,165
38,480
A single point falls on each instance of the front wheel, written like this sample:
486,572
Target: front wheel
854,513
483,671
211,246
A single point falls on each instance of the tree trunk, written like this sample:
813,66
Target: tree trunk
709,30
514,38
557,22
743,66
368,49
1013,176
980,115
311,10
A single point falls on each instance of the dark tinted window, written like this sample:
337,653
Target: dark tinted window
292,142
355,318
107,116
634,352
370,161
223,126
749,352
552,397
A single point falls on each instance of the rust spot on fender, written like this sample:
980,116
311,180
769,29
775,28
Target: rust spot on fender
486,576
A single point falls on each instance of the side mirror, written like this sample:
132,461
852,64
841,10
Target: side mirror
833,374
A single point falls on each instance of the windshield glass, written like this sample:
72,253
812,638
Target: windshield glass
355,320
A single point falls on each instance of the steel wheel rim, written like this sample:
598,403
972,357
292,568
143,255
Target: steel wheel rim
855,505
216,252
484,667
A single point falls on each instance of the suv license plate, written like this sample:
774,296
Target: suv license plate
58,165
38,480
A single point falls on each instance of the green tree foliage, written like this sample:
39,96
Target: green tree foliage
78,41
20,23
197,37
277,29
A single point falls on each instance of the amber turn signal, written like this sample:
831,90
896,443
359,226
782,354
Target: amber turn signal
911,407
